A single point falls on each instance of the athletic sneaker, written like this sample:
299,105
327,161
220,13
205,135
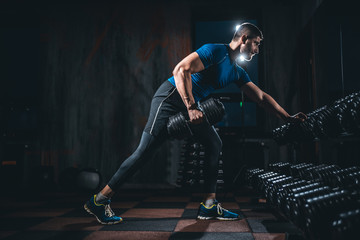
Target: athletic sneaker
102,211
216,211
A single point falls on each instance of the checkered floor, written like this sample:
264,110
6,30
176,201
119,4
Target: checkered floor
154,215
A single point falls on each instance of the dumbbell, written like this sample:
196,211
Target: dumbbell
254,175
270,183
346,225
281,167
298,202
296,170
259,181
322,173
272,190
179,126
251,176
266,182
284,190
320,211
308,172
290,197
345,178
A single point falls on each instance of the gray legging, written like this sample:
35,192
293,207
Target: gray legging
165,103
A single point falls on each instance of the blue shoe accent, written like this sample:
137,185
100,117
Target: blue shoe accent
102,211
216,211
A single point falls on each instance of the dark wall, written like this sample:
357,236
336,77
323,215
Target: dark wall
102,64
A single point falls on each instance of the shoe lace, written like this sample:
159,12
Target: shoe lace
108,211
220,209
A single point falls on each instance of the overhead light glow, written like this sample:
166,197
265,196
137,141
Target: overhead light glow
237,27
242,58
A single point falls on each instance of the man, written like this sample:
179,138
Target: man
211,67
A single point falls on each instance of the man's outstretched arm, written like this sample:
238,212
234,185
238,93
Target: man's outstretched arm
266,101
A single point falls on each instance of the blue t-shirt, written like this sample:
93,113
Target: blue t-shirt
219,71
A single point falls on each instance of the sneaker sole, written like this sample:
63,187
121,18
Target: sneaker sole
218,218
204,218
227,219
105,223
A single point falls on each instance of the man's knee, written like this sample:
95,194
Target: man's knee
219,143
214,145
148,146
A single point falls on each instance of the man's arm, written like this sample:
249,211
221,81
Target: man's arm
266,101
182,75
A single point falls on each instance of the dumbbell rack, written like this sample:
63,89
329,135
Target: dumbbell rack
190,173
323,200
338,119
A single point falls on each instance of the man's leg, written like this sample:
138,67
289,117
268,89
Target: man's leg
210,208
99,204
145,151
165,103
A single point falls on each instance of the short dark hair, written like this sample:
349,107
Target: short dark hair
248,29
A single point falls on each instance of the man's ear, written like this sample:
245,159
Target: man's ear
243,38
